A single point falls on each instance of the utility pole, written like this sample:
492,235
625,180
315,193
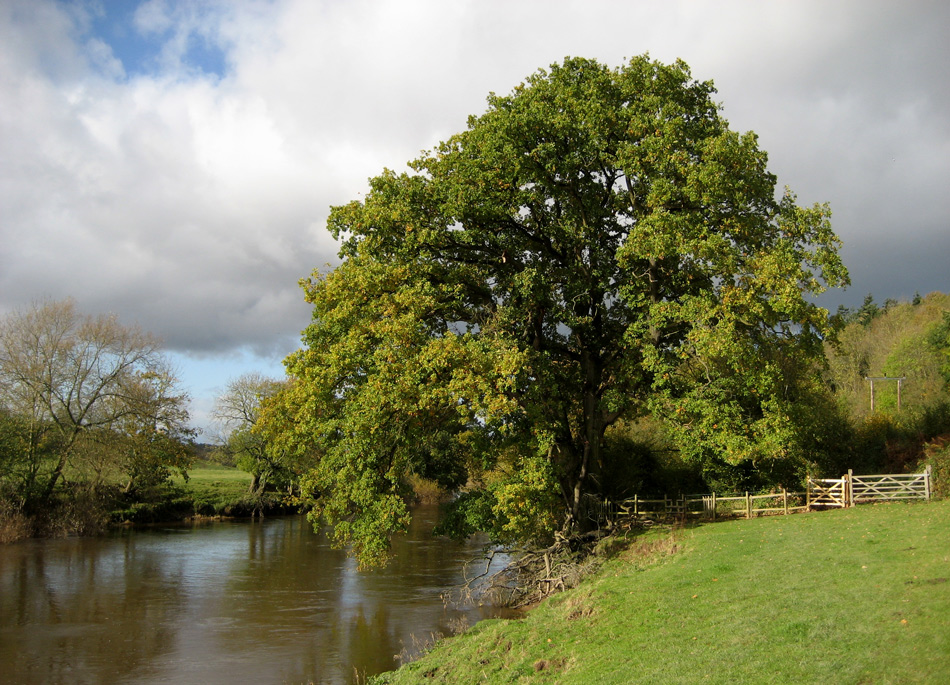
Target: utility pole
900,382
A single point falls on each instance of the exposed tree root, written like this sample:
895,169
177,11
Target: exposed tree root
535,574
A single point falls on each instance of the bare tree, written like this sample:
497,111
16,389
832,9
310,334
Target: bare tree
237,409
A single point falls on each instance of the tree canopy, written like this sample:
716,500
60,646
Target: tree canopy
596,246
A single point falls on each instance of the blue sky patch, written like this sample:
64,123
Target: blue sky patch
147,50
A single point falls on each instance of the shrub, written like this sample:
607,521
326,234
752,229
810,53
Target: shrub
427,491
14,525
937,457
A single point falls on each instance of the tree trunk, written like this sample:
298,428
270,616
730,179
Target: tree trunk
54,477
588,443
61,464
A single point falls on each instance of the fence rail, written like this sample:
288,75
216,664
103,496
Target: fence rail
820,493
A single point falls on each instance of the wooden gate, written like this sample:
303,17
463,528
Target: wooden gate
850,489
828,492
890,487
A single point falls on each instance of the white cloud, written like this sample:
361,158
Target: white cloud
193,201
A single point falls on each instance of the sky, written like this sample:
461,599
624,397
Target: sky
174,161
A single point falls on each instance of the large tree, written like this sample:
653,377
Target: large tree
595,246
84,391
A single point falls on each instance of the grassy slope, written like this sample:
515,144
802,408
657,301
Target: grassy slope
855,596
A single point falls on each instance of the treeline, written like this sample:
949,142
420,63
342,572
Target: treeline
93,422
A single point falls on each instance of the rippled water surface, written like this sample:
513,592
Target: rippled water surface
221,602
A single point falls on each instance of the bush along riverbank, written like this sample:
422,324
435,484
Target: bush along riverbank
860,595
211,490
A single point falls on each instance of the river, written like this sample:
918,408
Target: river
223,602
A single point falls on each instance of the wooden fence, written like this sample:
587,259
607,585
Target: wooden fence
851,489
712,505
821,493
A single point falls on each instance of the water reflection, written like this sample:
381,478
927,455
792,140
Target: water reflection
219,603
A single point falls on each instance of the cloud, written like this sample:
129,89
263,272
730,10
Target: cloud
174,162
174,200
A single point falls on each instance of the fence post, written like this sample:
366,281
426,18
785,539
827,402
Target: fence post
808,493
848,495
748,505
635,511
927,472
785,500
714,506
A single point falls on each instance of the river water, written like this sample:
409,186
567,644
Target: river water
223,602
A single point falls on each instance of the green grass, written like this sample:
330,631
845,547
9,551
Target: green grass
216,476
215,489
211,490
854,596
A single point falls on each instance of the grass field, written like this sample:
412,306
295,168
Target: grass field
854,596
211,490
215,489
225,480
